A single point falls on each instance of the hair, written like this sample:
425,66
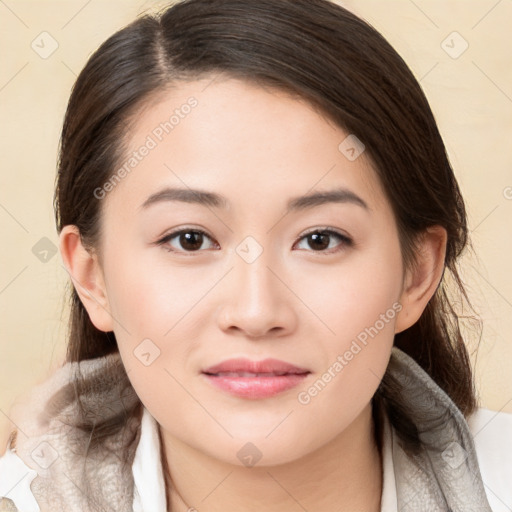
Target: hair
314,50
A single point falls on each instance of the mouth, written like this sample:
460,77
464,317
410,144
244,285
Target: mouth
255,385
252,374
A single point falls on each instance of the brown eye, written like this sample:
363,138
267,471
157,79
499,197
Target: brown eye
185,240
191,240
320,240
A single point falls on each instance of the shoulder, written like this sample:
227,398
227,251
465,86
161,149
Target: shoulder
47,455
492,435
15,480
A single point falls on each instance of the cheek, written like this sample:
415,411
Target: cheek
155,308
146,296
358,306
153,331
356,358
352,296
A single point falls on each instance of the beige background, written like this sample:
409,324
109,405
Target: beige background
470,93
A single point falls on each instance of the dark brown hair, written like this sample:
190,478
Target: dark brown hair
312,49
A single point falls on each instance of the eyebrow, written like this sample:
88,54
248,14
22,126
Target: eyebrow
214,200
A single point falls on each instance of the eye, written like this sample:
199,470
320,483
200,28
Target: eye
320,240
191,240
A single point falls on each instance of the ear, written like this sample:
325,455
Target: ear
85,272
421,281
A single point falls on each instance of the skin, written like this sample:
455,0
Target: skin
258,148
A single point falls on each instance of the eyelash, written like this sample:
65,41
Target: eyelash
345,240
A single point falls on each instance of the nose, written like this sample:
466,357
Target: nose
257,301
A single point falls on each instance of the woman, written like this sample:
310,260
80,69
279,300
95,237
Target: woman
259,219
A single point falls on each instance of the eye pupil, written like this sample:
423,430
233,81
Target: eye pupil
322,237
191,240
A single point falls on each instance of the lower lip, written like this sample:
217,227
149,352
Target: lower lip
256,387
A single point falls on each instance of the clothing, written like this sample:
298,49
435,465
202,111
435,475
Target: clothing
42,467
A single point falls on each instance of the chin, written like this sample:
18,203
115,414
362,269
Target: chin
256,448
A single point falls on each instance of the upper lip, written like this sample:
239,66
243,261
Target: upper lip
264,366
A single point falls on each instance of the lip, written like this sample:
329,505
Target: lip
246,365
255,379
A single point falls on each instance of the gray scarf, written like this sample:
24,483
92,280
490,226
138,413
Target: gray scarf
445,475
76,475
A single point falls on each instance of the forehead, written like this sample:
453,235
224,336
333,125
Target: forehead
238,139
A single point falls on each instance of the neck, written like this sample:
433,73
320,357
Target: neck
343,475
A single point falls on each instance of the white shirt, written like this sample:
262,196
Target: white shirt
148,478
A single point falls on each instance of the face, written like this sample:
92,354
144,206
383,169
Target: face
256,274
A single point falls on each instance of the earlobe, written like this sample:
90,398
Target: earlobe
422,280
87,277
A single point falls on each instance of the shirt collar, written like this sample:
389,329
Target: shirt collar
389,497
148,478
